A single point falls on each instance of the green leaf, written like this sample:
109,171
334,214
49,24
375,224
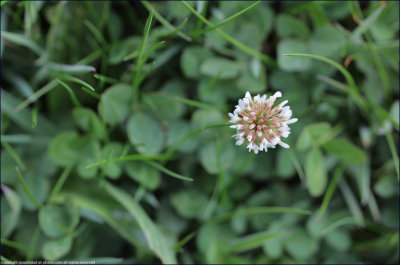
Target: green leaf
156,240
57,248
208,156
285,167
394,111
188,207
253,241
88,121
112,150
22,40
191,60
331,188
145,133
315,172
144,174
386,187
177,131
114,104
327,41
212,66
292,64
345,151
163,106
367,23
56,221
312,134
10,211
339,240
300,246
85,195
288,26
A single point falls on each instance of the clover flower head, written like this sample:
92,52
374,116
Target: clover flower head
261,124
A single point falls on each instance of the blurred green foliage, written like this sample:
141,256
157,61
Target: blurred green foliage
115,115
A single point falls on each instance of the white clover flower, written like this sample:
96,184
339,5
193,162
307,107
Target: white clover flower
261,124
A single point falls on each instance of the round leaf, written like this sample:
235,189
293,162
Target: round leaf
292,63
212,66
145,133
315,172
56,221
147,176
55,249
114,103
61,148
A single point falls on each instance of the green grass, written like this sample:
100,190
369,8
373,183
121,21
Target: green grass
115,115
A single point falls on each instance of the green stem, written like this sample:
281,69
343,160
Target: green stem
28,193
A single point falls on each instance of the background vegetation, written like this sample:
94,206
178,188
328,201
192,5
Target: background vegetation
140,92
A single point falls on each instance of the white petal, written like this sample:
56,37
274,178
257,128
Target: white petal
249,137
241,104
248,95
283,104
277,94
284,145
292,121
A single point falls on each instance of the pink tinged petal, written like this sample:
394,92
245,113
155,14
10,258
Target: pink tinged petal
252,126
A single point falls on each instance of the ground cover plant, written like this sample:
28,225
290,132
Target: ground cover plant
116,145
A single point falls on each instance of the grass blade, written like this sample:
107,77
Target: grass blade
33,244
28,193
164,22
351,202
76,80
130,158
339,223
167,171
13,154
253,241
367,23
60,182
35,112
341,69
106,79
13,244
70,69
329,192
23,41
266,59
42,91
71,93
194,133
156,240
195,103
258,210
139,63
176,30
96,33
199,32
